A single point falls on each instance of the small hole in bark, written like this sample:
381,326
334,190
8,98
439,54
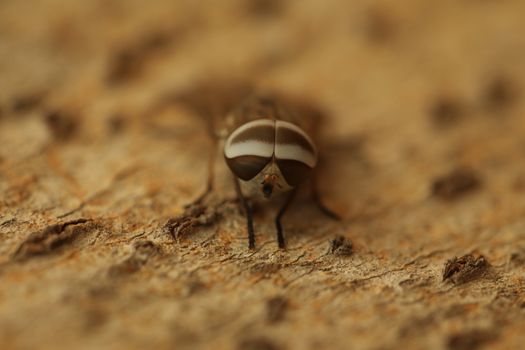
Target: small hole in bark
116,124
500,93
379,25
28,102
465,268
276,309
470,340
258,343
456,183
446,111
61,124
341,246
50,238
518,258
264,9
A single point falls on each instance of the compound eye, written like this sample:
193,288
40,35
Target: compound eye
247,167
250,148
295,153
294,172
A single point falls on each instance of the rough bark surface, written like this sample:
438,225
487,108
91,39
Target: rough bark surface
425,160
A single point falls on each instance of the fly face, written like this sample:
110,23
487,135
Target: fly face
273,155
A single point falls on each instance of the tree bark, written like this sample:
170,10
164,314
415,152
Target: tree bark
104,140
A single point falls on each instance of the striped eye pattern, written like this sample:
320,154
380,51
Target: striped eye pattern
252,146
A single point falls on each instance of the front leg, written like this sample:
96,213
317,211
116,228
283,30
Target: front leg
247,212
316,197
278,225
211,175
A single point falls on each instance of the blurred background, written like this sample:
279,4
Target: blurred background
423,135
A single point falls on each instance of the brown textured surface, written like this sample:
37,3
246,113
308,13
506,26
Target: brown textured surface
92,142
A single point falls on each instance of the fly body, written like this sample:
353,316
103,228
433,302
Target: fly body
269,146
268,151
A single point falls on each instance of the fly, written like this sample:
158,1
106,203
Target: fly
269,147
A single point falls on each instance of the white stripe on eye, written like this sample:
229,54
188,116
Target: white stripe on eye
249,148
249,125
294,152
287,125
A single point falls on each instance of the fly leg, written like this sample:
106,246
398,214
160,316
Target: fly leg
247,212
211,175
280,213
316,197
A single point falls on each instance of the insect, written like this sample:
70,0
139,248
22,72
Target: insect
268,145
